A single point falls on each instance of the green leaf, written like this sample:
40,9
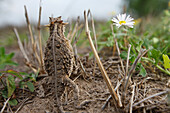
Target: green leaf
15,73
139,45
155,54
123,55
10,81
30,86
13,102
142,71
6,59
9,57
132,59
2,51
166,61
4,93
22,84
110,41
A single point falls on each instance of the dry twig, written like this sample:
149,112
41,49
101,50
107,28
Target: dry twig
157,94
31,35
131,101
21,46
108,99
118,51
127,62
75,29
23,51
95,39
40,42
104,74
21,105
130,72
5,103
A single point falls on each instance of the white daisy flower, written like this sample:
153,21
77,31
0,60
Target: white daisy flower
122,20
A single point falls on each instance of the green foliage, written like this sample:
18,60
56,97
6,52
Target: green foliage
6,59
142,71
26,80
10,81
155,54
153,37
30,86
133,55
146,7
166,61
13,102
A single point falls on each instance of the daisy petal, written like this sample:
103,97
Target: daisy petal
119,17
115,20
123,17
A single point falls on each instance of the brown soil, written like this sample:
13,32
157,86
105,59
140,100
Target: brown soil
95,91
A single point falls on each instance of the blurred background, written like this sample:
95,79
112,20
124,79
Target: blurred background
12,14
12,11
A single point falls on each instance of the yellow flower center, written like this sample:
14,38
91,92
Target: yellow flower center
122,22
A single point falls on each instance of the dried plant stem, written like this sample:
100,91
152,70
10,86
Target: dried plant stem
95,39
119,95
117,86
23,51
157,94
75,28
21,46
131,101
159,67
127,62
21,105
31,35
114,49
5,103
126,77
118,51
76,55
130,72
70,30
104,74
39,37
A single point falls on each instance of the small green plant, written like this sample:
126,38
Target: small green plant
10,76
6,59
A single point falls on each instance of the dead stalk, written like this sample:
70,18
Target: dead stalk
157,94
104,74
75,28
21,46
136,60
76,55
95,39
127,62
39,37
126,77
31,35
5,103
130,72
118,51
131,101
117,86
21,105
70,30
119,95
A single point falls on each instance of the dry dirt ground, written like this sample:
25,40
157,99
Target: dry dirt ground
94,89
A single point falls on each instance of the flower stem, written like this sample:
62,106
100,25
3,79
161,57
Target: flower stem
159,67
